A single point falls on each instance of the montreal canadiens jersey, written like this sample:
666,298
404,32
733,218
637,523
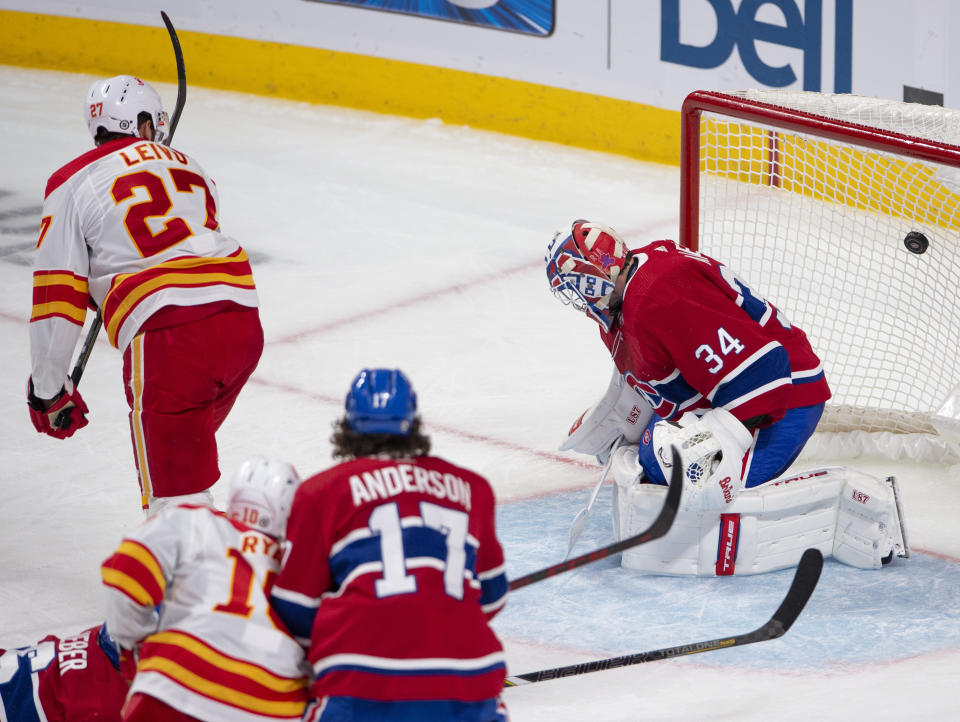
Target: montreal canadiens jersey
132,225
70,679
392,572
692,335
190,588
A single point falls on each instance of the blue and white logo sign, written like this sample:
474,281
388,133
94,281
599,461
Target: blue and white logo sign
533,17
779,42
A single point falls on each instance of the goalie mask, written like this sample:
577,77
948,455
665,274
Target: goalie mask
115,104
583,266
261,494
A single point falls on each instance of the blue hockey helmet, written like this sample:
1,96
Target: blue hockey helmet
583,266
381,401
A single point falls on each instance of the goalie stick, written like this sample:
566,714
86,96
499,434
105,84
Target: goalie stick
660,526
580,520
804,582
94,330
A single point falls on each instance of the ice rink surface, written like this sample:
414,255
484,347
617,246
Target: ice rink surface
383,241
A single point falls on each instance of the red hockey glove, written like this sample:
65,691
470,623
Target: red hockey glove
60,416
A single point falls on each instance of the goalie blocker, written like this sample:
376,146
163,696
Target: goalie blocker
850,515
621,413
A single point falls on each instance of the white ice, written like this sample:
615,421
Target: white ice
384,241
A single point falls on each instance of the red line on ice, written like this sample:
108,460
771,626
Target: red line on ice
406,303
468,435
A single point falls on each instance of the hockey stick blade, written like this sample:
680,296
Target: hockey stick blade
94,331
804,582
660,526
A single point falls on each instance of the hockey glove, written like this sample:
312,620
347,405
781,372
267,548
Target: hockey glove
712,447
621,413
60,416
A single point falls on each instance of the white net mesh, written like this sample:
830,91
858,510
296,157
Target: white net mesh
932,122
818,225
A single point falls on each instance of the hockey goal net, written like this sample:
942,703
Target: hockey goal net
845,212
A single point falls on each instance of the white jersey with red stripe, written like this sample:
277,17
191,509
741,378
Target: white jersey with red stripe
133,226
188,589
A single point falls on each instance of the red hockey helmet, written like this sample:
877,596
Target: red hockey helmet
583,266
601,246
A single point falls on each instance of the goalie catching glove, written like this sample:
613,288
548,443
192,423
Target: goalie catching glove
712,447
60,416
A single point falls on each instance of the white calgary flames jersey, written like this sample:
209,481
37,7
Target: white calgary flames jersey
133,226
190,589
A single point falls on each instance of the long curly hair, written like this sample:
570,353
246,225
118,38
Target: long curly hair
349,444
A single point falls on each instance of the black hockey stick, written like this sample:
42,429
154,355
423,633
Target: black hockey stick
85,352
804,582
94,330
660,526
181,78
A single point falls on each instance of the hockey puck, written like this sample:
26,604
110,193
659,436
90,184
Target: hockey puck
916,242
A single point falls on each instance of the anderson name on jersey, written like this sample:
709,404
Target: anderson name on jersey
389,481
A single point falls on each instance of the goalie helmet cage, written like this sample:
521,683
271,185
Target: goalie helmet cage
817,200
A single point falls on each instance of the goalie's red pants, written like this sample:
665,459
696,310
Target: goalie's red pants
181,382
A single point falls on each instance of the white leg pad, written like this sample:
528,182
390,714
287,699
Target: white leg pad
765,529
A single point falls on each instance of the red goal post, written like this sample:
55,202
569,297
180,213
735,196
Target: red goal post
845,210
